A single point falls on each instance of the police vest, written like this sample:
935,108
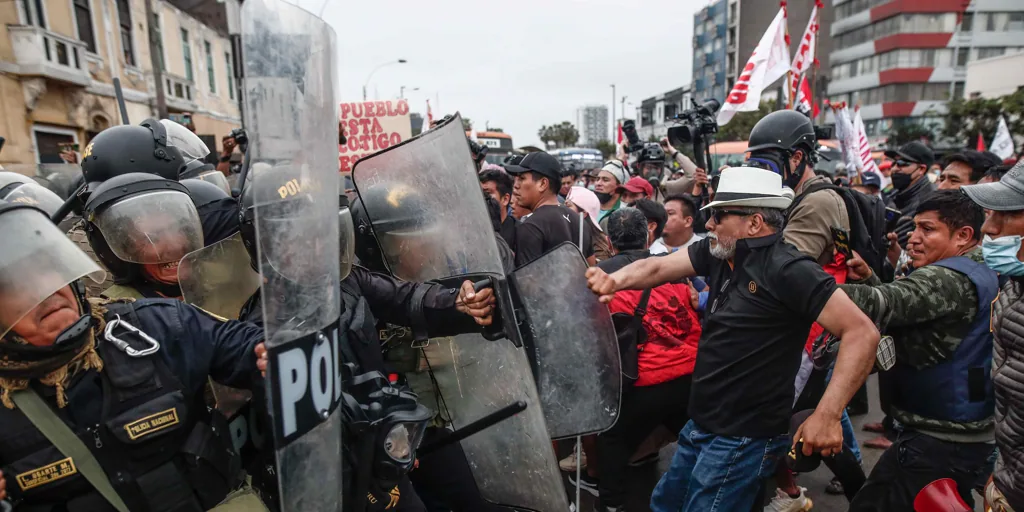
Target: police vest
162,450
958,389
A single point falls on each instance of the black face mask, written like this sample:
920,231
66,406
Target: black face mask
901,180
603,197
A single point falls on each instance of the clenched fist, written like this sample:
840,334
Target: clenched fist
602,284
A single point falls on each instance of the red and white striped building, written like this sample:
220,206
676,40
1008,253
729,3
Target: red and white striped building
901,60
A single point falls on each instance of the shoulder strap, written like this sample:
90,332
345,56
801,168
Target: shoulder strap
641,307
40,414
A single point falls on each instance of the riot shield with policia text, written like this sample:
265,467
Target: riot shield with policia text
291,112
427,214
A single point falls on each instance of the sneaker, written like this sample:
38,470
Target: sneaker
645,460
587,483
835,488
569,463
782,502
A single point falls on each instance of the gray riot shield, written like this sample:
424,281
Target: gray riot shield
576,351
427,213
291,113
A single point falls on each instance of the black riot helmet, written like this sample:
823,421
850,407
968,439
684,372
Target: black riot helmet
131,149
652,153
198,169
218,211
776,137
203,192
40,262
139,219
397,227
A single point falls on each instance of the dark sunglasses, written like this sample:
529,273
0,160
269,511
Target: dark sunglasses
717,214
903,163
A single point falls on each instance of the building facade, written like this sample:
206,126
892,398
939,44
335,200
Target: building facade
709,51
995,76
901,60
58,59
592,123
658,112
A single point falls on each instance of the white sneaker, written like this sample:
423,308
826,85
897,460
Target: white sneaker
783,503
569,463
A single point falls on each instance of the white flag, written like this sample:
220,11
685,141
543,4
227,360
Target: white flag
767,64
867,164
804,58
847,136
1002,144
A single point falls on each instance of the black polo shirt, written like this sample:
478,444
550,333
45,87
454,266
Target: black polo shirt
755,325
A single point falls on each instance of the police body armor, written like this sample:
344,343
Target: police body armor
960,388
162,448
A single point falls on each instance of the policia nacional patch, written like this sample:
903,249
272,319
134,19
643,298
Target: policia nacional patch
49,473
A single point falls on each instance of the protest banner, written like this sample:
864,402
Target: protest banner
371,126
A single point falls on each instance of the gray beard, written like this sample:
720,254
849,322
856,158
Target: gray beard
720,250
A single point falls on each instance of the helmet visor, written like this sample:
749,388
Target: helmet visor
187,143
42,262
151,228
7,177
347,246
288,245
217,178
36,195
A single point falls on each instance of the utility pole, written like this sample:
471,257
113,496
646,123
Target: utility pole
612,135
155,61
622,112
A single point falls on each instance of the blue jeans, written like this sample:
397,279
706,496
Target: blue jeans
711,473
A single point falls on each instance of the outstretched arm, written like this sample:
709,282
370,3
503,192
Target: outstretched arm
646,273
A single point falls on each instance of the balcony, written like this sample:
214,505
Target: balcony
179,92
39,52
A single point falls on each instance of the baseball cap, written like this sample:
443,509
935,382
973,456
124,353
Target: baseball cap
1005,195
540,163
637,185
915,152
871,179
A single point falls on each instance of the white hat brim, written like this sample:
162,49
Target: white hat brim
780,203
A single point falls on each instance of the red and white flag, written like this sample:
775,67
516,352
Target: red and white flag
805,58
620,138
768,63
430,116
867,164
803,103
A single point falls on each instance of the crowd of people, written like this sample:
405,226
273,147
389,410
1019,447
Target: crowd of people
750,306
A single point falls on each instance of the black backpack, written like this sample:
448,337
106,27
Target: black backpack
867,223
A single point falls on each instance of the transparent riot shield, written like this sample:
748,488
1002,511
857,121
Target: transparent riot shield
218,278
576,351
291,113
427,212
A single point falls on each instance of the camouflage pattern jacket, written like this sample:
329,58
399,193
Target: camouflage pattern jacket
927,313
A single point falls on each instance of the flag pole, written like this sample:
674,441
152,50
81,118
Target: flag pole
789,74
816,63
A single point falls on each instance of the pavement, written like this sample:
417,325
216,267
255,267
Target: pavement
642,480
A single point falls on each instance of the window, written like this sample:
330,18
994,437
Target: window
984,53
210,75
124,17
158,34
34,12
83,19
961,56
958,90
1015,22
186,54
967,24
231,74
48,141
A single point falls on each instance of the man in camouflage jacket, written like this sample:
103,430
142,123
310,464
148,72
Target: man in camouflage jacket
938,318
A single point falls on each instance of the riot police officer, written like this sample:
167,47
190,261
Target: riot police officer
101,401
217,210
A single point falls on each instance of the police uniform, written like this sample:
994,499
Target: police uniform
143,418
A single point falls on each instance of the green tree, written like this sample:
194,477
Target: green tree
966,118
496,130
738,128
903,133
562,135
467,124
606,147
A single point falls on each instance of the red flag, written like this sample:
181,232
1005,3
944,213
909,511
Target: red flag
803,100
981,142
805,56
619,141
430,116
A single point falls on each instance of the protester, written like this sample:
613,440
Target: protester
1002,252
538,178
655,215
636,188
965,168
678,232
498,184
870,184
570,175
939,317
606,186
684,183
911,163
994,174
665,360
764,297
581,200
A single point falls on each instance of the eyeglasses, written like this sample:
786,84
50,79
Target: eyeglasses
903,163
717,214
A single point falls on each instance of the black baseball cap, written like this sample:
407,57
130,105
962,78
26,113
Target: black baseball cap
916,152
540,163
795,459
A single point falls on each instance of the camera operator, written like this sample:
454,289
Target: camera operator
237,138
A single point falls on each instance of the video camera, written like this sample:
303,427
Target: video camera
697,123
634,144
241,138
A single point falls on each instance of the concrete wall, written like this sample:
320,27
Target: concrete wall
995,76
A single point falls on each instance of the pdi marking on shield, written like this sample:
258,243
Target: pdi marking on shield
752,287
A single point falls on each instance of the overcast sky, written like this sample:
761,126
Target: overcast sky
516,64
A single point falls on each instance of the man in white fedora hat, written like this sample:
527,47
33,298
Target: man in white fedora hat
764,296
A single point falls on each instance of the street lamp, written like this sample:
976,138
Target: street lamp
399,61
401,91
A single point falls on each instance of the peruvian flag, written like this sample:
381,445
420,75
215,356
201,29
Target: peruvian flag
867,164
803,100
430,116
768,63
805,57
619,141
